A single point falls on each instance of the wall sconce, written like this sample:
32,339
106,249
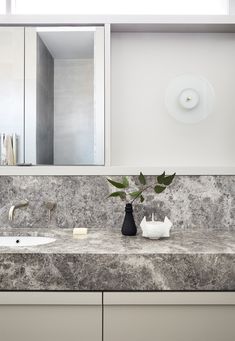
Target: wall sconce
189,98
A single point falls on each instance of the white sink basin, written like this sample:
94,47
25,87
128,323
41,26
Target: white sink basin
18,241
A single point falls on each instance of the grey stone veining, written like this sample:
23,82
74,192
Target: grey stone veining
106,241
195,202
106,260
198,256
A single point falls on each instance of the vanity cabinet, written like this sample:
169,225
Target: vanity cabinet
169,316
50,316
126,316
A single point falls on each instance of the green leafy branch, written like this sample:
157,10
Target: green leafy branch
161,183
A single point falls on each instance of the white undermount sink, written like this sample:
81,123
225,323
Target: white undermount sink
18,241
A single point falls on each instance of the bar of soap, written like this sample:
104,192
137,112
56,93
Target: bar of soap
80,230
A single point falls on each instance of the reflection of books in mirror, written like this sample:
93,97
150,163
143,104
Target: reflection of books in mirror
3,154
14,146
8,149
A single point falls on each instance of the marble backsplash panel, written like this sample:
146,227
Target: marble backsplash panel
190,202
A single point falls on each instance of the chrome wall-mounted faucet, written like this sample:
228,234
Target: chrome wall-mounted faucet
14,207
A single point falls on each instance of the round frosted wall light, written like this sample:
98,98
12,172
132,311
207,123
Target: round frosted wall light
189,98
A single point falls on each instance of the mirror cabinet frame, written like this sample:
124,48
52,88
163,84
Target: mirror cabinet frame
118,23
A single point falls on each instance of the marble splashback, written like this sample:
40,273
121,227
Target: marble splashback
190,202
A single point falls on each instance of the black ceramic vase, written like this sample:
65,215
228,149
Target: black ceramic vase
129,227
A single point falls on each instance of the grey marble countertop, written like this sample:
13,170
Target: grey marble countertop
111,241
202,259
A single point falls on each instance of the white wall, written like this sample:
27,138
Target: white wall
12,84
142,131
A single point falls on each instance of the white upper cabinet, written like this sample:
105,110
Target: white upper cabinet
119,94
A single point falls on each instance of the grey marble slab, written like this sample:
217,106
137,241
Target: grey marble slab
106,260
194,202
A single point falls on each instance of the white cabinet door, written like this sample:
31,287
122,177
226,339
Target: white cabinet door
45,316
169,316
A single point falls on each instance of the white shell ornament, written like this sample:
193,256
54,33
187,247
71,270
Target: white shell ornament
155,229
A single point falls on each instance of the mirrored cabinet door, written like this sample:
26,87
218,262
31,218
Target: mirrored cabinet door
64,95
52,95
11,95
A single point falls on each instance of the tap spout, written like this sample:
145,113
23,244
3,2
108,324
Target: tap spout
14,207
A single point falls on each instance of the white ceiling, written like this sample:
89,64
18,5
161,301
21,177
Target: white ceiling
69,44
